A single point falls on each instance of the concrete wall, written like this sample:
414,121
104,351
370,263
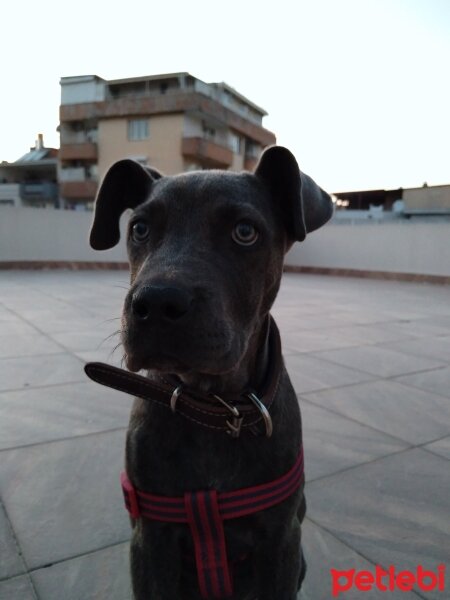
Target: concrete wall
410,247
10,194
33,234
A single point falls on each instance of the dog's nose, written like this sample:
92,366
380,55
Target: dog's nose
157,301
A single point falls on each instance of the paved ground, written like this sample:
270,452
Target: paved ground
370,362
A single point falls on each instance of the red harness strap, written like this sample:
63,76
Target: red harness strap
205,512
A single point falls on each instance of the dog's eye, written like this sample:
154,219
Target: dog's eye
140,231
244,233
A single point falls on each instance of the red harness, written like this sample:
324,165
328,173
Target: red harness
205,513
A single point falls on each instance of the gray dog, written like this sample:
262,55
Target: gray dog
214,466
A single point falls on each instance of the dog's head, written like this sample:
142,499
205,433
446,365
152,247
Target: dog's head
206,253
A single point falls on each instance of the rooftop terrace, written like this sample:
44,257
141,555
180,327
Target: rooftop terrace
370,361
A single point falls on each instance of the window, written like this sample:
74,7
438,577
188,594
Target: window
138,129
209,133
235,143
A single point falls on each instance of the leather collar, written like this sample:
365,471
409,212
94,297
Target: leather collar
231,413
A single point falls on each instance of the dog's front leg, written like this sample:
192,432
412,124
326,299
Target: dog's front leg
155,560
279,567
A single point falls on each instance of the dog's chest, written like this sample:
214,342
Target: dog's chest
167,456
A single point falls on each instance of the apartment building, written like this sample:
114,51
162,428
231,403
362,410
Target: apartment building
174,122
30,181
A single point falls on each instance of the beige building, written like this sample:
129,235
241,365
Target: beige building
431,200
173,122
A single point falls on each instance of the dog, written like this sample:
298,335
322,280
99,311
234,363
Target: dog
215,424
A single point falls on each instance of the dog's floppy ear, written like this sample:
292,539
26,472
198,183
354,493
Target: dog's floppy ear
125,185
305,205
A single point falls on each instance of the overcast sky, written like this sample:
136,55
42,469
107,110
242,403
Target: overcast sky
359,90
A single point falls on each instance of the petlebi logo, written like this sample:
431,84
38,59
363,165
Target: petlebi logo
387,580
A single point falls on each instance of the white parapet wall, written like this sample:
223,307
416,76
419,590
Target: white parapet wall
49,235
408,247
411,247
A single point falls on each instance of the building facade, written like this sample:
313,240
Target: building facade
425,201
172,122
31,181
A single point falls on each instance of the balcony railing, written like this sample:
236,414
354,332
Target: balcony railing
38,190
69,136
207,152
80,190
86,151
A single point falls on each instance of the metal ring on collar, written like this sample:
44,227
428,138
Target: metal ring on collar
173,399
264,413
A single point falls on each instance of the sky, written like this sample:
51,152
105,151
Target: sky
358,90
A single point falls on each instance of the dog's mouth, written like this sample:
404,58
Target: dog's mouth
136,362
175,366
184,359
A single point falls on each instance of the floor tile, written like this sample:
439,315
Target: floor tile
436,381
30,371
430,347
64,498
103,337
66,319
394,511
379,361
19,588
315,340
401,411
333,443
43,414
323,553
102,575
425,327
441,447
16,327
14,346
11,562
309,373
112,357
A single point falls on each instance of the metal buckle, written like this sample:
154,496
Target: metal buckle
173,399
234,428
264,413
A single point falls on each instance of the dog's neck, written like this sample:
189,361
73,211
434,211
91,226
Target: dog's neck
249,372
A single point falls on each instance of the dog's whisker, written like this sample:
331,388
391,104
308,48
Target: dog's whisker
113,334
121,287
110,320
114,349
118,332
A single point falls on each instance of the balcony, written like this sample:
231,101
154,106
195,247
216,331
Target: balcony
207,152
10,194
177,101
85,151
80,190
39,190
70,136
250,163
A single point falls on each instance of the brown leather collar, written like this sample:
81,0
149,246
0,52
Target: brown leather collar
226,412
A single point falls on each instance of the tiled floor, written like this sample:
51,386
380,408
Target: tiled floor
370,361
